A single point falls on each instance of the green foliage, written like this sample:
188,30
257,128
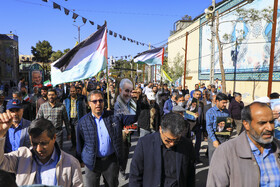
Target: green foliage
174,69
42,52
187,17
56,55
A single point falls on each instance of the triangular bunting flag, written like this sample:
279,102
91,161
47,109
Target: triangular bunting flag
115,34
56,6
91,22
84,19
98,26
66,11
75,15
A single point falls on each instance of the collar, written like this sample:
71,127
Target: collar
20,124
94,117
267,148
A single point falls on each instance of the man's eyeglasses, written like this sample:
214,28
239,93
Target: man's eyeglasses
168,140
95,101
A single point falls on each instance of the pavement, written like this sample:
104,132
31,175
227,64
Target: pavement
201,169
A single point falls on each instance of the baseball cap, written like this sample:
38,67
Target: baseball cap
151,96
14,103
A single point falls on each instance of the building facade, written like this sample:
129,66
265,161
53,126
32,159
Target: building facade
253,51
9,67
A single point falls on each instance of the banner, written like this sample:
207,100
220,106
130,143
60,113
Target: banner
85,60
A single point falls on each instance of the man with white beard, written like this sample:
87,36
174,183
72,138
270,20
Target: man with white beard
124,104
251,159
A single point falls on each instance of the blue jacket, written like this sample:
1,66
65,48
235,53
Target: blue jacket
87,143
24,136
80,104
146,165
167,106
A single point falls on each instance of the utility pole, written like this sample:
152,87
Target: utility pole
79,29
272,50
185,66
212,67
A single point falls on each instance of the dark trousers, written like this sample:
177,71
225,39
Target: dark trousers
73,122
197,131
59,138
108,168
126,146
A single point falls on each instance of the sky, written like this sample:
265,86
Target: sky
146,21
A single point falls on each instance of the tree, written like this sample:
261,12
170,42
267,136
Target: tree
42,52
58,54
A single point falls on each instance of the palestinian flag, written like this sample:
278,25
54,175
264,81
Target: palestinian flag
47,83
85,60
151,57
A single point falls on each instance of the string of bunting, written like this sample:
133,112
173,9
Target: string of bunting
110,32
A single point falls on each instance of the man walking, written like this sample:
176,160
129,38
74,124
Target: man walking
44,163
219,110
76,109
17,135
99,142
56,113
164,158
251,159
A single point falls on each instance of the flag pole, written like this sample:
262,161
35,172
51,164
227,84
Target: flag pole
107,80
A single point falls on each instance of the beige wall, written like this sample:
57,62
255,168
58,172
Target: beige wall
179,45
246,88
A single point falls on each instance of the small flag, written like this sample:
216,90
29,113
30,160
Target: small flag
165,76
83,61
56,6
47,83
91,22
84,19
151,57
75,15
26,98
66,11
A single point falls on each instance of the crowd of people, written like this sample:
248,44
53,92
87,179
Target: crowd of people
99,118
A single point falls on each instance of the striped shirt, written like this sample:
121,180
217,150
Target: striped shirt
57,115
269,170
211,117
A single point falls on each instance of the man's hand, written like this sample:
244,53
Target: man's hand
82,165
69,137
229,129
6,121
216,144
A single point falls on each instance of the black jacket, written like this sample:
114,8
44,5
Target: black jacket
146,165
144,117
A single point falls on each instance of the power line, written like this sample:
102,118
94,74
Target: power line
128,13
